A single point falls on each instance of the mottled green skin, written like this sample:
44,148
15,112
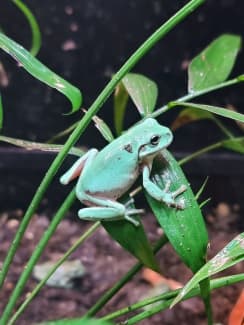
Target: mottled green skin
106,175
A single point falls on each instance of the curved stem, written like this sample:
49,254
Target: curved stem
35,30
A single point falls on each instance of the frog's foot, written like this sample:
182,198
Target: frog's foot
129,202
130,212
169,197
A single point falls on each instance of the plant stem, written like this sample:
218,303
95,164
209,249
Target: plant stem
205,293
35,256
198,93
40,285
73,138
128,276
35,30
223,128
168,298
200,152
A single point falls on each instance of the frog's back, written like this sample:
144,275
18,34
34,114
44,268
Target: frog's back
114,169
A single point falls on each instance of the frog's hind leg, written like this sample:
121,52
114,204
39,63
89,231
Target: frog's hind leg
106,209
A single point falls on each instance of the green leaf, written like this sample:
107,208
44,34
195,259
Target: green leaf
40,71
185,228
120,104
230,255
143,92
189,115
214,64
212,109
103,128
76,321
133,239
1,112
235,144
29,145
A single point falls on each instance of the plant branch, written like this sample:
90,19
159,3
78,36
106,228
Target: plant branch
198,93
168,298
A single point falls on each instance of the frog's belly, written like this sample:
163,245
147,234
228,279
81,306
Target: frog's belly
109,183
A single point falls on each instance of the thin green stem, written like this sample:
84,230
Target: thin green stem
118,285
200,152
40,285
73,138
168,298
205,293
223,128
35,30
35,256
196,94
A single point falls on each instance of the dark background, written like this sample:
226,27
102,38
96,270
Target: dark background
86,42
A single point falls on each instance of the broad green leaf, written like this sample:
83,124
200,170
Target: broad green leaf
230,255
212,109
1,112
40,71
103,128
133,239
143,92
235,144
29,145
214,64
76,321
120,103
185,228
189,115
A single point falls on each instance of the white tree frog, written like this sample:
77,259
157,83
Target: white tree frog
104,176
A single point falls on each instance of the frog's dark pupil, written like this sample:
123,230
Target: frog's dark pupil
155,139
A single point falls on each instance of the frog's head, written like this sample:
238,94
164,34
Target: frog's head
155,138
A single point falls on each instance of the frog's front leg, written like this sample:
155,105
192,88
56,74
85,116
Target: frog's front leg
162,195
106,209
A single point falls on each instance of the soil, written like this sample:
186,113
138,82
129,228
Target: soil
106,262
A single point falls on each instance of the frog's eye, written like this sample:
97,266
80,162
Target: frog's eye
155,140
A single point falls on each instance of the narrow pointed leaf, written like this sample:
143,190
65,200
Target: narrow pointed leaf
143,92
133,239
103,128
212,109
120,104
185,229
235,144
29,145
230,255
189,115
40,71
214,64
201,189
